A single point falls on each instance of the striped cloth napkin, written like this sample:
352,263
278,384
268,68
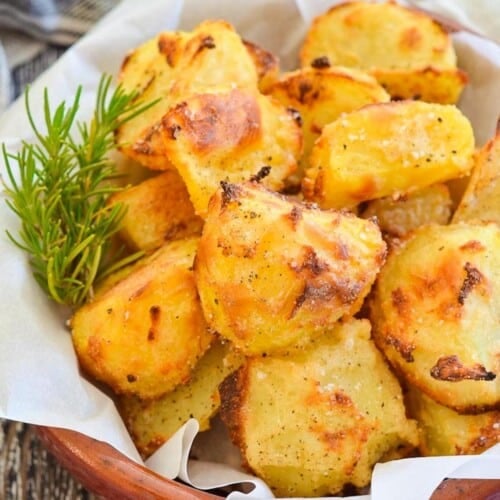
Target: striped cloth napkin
34,33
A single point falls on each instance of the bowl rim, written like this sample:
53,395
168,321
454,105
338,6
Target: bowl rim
105,471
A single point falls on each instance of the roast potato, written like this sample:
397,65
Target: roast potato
446,432
144,332
214,55
397,216
318,418
322,94
272,272
171,67
149,70
481,200
388,149
157,210
153,422
436,314
229,136
408,52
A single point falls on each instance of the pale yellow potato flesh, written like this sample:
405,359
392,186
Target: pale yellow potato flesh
153,422
322,95
388,149
157,210
399,215
445,432
318,418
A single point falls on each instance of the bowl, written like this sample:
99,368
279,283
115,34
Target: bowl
109,474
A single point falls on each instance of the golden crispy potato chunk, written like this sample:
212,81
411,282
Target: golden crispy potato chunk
397,216
446,432
144,333
175,65
388,149
407,51
230,136
273,273
322,94
481,199
318,418
214,55
153,58
436,314
150,70
158,210
153,422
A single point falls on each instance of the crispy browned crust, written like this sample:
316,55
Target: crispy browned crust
311,255
424,311
215,120
168,45
307,85
127,337
450,368
488,436
266,63
233,393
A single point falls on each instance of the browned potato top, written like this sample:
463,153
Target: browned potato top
176,65
371,35
266,63
436,314
321,95
408,52
230,136
272,273
388,149
144,333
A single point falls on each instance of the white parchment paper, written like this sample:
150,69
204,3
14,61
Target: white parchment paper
39,378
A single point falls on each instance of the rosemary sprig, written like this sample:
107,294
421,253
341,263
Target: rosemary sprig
61,191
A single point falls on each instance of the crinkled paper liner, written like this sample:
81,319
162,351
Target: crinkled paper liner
39,378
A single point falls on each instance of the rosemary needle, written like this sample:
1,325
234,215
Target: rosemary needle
61,189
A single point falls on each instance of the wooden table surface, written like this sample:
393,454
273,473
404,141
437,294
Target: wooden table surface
28,471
